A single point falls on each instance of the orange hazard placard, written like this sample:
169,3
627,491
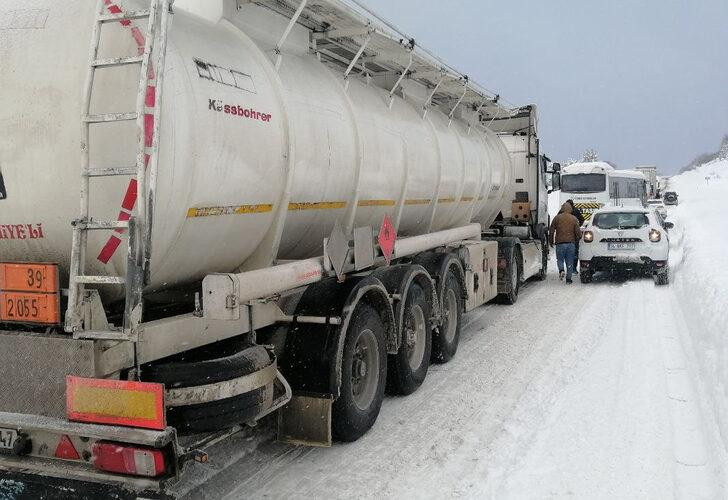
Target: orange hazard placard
29,293
21,277
30,307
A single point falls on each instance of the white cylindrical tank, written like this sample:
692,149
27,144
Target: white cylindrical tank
243,147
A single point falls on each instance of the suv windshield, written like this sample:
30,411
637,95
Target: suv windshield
583,183
621,220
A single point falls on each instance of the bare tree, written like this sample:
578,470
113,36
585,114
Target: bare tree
590,155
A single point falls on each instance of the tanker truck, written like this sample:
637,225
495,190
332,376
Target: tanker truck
218,210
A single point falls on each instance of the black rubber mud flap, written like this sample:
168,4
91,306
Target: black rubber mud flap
21,486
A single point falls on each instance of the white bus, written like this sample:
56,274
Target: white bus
596,184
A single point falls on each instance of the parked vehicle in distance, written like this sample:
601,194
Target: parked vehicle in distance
659,207
670,198
650,173
625,240
593,185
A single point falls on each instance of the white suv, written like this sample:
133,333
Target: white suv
627,240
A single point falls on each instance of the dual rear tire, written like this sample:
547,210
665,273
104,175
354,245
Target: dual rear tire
367,370
363,376
408,368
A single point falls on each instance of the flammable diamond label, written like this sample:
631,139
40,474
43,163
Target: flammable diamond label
387,237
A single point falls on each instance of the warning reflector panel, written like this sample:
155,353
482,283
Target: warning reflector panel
116,402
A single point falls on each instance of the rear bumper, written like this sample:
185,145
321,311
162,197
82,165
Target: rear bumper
39,464
637,265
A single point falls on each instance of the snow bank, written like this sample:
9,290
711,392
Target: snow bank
699,260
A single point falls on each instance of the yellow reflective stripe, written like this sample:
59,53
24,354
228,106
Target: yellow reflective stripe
306,205
230,210
377,203
114,402
421,201
467,198
319,205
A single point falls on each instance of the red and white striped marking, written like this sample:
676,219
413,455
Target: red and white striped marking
130,198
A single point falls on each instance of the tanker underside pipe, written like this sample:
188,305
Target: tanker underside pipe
277,279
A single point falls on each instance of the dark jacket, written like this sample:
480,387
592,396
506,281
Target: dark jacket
577,213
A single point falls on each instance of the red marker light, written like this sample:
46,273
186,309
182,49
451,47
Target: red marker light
127,459
66,450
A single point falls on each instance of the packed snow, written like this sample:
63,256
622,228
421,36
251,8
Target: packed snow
606,390
700,263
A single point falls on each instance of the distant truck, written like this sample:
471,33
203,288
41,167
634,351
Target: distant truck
593,185
650,173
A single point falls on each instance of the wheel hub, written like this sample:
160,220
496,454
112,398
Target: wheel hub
364,369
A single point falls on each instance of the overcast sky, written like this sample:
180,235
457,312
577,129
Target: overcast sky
640,81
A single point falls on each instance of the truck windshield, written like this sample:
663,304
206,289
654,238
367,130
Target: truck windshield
583,183
621,220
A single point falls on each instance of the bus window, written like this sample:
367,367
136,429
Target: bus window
583,183
624,187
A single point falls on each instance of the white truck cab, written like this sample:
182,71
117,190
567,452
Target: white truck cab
628,240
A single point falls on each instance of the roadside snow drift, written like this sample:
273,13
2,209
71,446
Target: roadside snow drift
700,265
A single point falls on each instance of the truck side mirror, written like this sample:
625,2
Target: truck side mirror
555,181
556,167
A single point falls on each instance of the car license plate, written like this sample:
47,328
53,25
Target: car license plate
8,438
620,246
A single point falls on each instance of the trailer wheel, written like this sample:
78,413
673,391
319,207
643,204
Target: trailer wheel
208,366
408,368
446,338
516,272
586,276
363,376
541,276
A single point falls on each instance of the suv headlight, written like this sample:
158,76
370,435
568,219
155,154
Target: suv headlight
588,236
655,235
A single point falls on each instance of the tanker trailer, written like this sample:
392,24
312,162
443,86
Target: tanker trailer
219,210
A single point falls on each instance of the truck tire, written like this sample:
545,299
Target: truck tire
516,272
662,278
211,365
541,276
408,368
446,337
363,376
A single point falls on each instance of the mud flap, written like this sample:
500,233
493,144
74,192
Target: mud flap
306,420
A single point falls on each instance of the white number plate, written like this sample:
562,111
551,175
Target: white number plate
620,246
8,438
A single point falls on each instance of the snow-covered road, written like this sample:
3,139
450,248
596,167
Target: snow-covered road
584,391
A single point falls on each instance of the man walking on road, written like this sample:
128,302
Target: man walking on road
565,233
576,213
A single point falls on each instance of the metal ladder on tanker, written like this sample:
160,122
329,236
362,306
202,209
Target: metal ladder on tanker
139,226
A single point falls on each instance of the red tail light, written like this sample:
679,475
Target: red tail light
127,459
